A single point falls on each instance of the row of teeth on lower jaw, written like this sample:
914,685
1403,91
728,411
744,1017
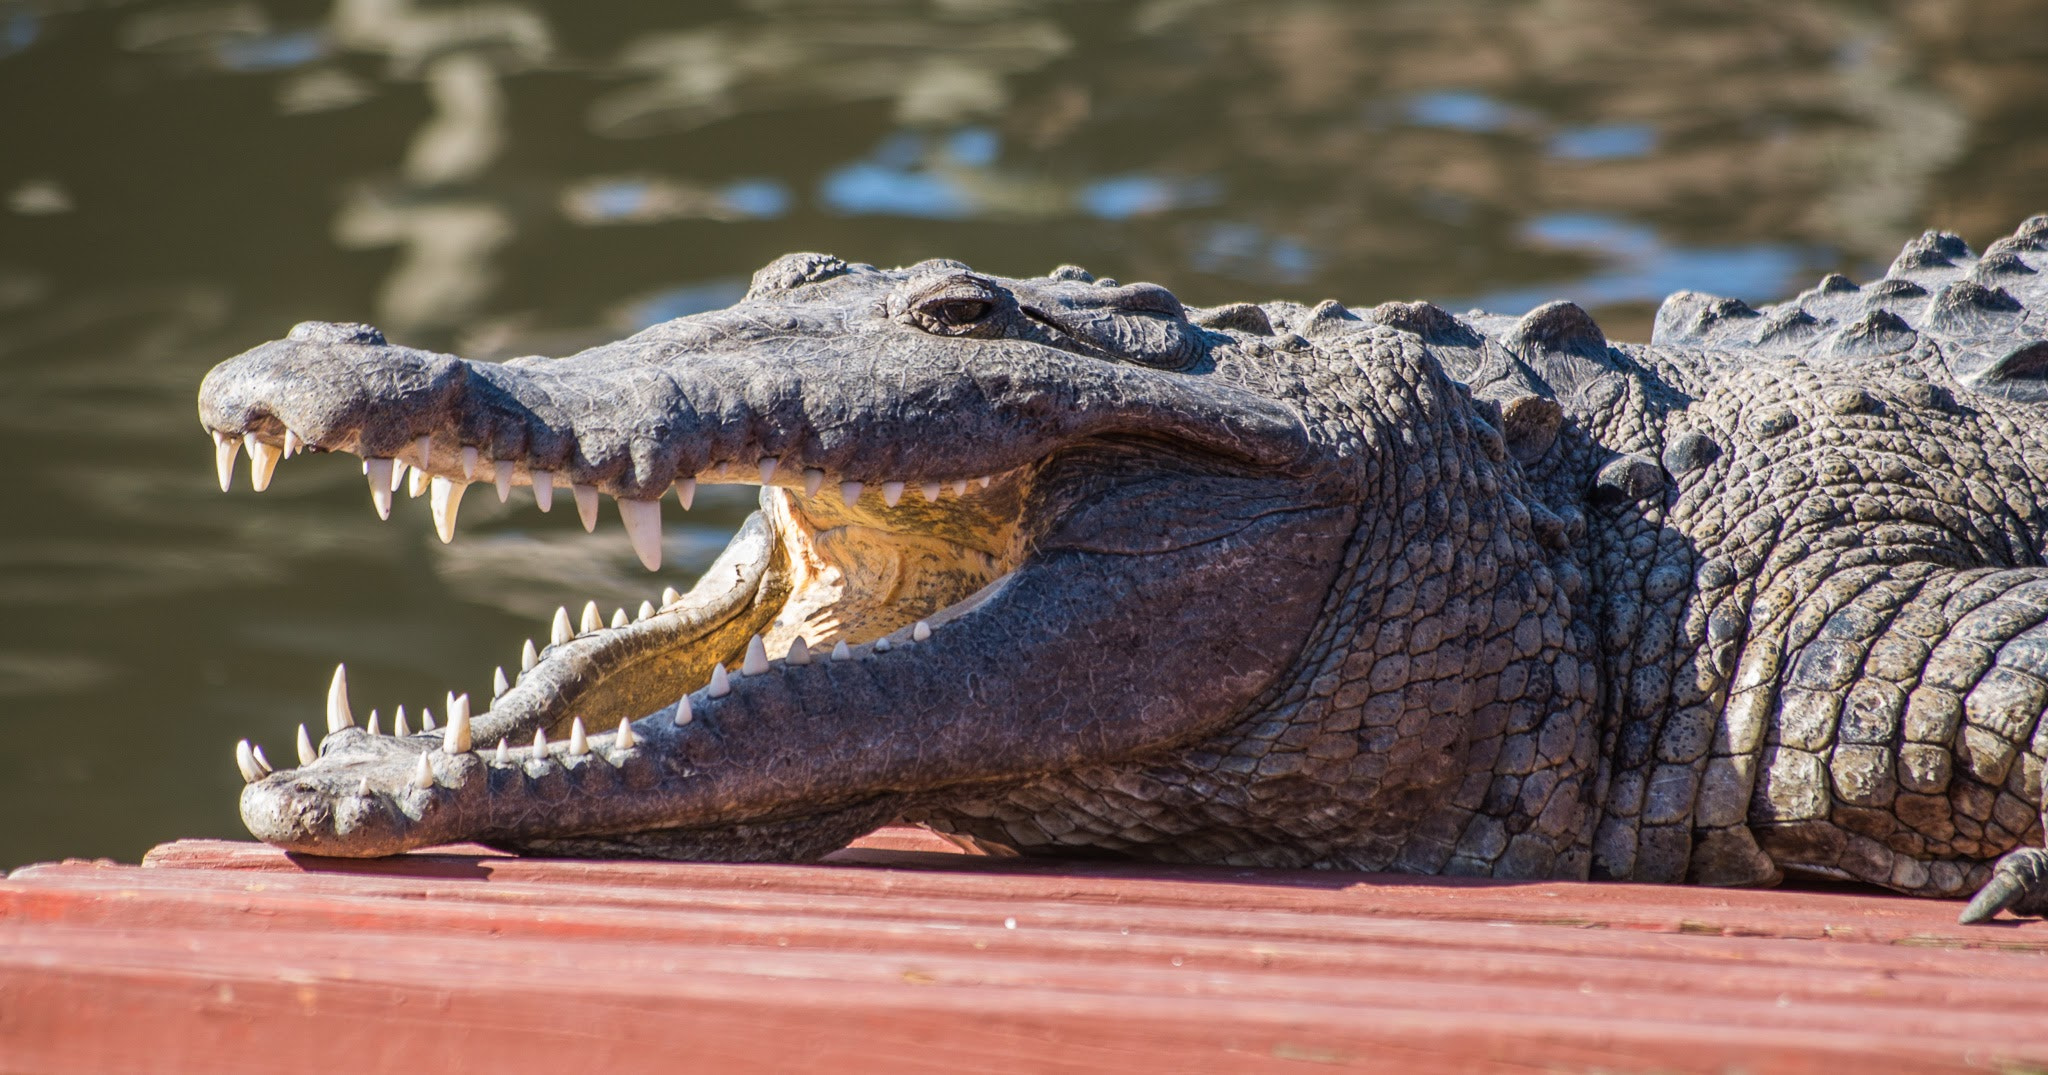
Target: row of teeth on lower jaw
642,517
455,737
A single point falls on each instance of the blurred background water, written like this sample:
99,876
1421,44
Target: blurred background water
182,180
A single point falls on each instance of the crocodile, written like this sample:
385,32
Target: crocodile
1058,565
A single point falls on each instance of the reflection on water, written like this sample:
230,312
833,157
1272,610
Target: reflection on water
184,179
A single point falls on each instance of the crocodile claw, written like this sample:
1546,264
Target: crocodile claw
2019,883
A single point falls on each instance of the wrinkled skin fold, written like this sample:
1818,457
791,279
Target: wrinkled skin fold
1059,564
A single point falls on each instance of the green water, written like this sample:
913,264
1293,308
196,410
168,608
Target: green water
180,181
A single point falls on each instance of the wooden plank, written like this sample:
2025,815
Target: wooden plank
231,957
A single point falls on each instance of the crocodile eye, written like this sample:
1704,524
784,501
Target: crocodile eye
954,313
964,307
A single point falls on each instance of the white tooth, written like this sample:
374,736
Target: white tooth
984,480
931,491
643,529
502,471
371,727
423,452
504,753
366,466
798,652
756,662
586,506
849,492
528,657
307,755
920,631
814,480
561,631
892,492
423,777
960,488
579,742
293,444
544,489
363,786
468,464
840,651
721,684
646,610
338,716
624,739
224,449
418,482
683,714
426,719
619,618
767,470
669,596
882,645
447,499
262,762
399,470
379,471
245,760
686,491
398,725
499,684
456,740
540,743
262,461
592,619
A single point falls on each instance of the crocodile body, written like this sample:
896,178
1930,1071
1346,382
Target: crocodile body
1385,589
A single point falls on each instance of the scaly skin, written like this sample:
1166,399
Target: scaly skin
1259,584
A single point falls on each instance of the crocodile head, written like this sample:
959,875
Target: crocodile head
1008,528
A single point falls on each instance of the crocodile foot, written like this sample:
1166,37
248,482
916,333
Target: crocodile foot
2019,883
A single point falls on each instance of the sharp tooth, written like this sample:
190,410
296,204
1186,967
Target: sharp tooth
338,716
418,482
262,462
363,786
798,652
814,480
426,719
592,620
456,740
849,492
224,449
756,662
561,631
683,714
586,506
245,760
624,739
984,480
686,491
643,529
499,684
646,610
504,753
619,618
398,725
767,470
399,470
423,451
371,727
841,652
920,631
262,762
468,464
721,684
379,471
544,489
892,492
293,444
540,743
669,596
931,491
447,499
307,755
882,645
960,487
502,472
579,742
423,777
527,655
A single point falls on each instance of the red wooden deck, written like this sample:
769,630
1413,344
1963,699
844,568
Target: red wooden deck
229,957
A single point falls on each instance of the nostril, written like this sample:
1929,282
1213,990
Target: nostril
336,332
